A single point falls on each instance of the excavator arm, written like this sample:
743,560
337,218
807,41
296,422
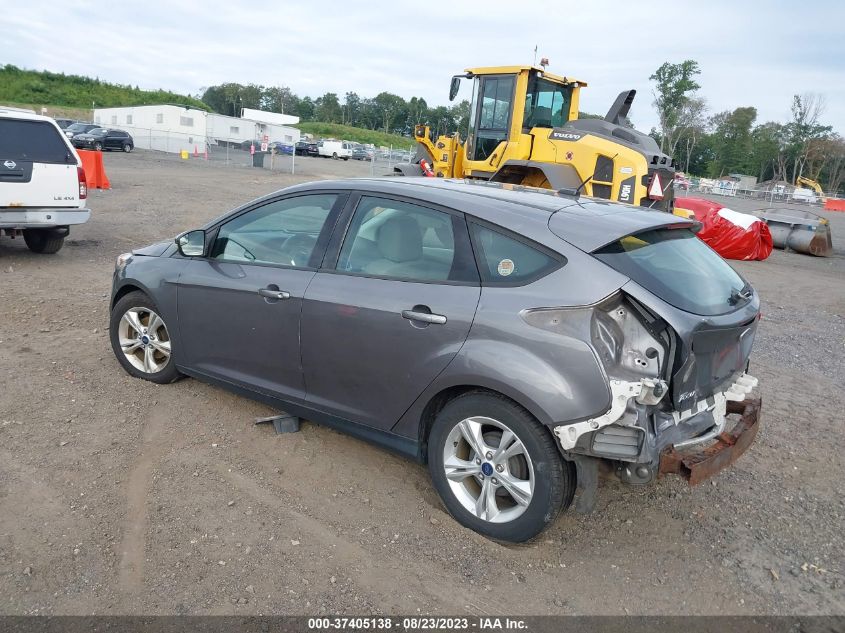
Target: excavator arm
812,184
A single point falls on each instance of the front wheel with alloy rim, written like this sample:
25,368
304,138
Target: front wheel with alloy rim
98,147
497,470
141,340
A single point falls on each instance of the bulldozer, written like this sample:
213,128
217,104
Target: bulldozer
524,130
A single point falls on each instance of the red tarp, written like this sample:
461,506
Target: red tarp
732,234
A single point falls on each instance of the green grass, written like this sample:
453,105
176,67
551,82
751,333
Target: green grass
357,134
60,112
57,89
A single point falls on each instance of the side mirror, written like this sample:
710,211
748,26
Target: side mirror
454,87
192,243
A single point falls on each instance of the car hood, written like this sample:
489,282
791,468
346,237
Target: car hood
153,250
591,224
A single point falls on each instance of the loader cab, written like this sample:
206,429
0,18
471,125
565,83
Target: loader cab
507,103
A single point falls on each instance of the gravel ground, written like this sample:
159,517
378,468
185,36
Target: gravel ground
122,497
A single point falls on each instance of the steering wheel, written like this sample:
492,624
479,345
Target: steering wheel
299,249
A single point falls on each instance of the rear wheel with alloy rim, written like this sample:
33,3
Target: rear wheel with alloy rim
141,340
127,147
497,470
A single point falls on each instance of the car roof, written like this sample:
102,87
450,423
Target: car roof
543,215
23,114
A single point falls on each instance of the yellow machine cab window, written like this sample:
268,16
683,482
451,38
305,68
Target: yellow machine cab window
546,103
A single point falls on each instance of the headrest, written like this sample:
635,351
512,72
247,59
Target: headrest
400,239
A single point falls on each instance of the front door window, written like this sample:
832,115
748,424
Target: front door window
283,232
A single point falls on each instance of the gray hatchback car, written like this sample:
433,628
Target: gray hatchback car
514,339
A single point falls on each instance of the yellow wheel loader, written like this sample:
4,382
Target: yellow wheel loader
524,129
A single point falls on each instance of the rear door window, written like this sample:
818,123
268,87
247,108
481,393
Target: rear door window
36,141
399,240
506,260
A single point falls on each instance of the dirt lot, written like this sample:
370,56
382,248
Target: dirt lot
118,496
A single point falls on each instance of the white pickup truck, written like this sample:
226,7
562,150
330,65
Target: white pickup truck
42,183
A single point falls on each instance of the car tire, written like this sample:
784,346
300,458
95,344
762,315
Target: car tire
334,155
43,241
98,147
147,359
127,147
535,472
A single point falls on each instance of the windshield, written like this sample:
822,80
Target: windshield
77,127
680,269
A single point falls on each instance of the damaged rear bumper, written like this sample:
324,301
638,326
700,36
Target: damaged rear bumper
700,462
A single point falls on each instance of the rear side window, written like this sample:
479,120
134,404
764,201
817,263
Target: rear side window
508,261
404,241
680,269
36,141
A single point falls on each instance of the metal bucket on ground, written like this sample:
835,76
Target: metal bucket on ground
799,230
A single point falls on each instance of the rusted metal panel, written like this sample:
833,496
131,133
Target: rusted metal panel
698,464
799,230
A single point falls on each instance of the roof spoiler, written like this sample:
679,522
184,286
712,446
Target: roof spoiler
619,109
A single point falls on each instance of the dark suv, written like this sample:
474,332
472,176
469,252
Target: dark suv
103,138
306,148
79,128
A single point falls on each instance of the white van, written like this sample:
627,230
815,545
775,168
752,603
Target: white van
42,183
335,149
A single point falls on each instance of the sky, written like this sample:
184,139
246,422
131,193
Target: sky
751,53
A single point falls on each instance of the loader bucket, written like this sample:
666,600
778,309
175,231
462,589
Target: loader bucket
798,230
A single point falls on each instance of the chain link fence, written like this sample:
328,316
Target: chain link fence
771,193
275,156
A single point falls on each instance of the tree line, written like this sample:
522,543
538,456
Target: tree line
702,142
387,112
734,141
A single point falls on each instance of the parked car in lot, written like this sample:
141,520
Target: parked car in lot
281,148
42,184
79,128
101,139
361,153
307,148
513,340
64,123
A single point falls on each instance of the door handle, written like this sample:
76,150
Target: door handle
274,294
424,317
